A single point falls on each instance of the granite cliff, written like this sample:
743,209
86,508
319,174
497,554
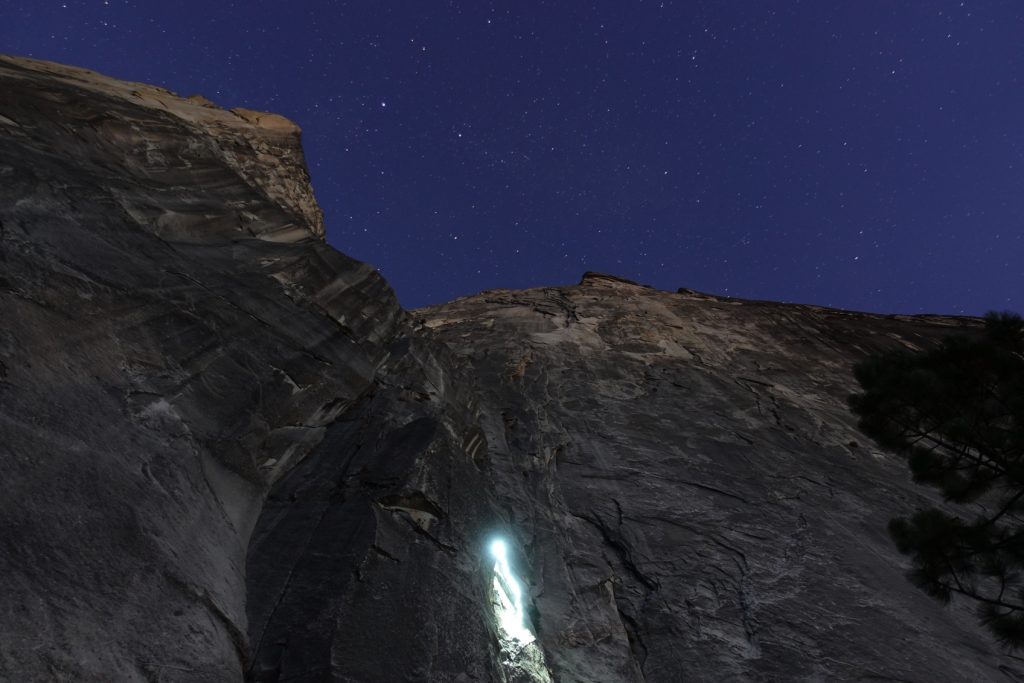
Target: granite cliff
230,455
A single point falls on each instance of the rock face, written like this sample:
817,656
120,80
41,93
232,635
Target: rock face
175,337
689,491
229,455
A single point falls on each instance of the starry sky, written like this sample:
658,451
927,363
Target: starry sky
865,155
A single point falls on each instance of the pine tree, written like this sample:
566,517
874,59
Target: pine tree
956,412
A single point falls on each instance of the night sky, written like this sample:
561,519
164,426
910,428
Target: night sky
862,154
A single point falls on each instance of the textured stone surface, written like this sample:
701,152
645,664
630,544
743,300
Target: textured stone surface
690,493
228,454
175,334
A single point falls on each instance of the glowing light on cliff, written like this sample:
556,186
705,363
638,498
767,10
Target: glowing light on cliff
508,597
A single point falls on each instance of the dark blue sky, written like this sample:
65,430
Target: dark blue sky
866,155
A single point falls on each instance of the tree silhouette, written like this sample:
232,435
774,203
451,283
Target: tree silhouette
957,412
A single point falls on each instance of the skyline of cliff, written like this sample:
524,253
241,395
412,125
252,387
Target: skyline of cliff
866,155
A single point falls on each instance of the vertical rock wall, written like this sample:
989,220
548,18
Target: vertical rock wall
228,454
175,336
690,494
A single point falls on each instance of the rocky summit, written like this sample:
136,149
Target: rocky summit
230,455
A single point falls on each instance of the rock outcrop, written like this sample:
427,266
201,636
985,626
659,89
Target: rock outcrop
690,493
176,336
229,454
